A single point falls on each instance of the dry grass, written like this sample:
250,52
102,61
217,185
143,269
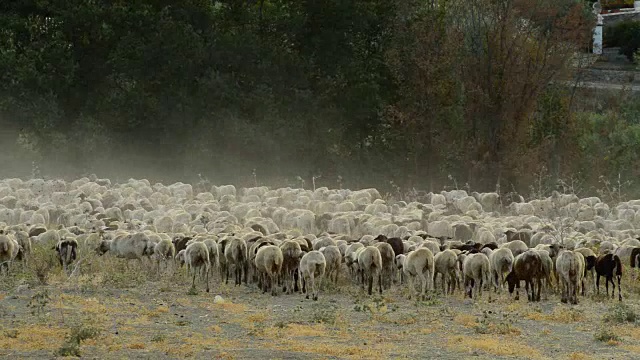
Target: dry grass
347,351
578,356
257,317
560,314
632,348
466,320
493,345
312,330
34,337
136,346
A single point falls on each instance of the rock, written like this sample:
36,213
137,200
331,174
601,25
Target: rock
22,288
218,299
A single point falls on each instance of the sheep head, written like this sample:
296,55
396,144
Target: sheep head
103,247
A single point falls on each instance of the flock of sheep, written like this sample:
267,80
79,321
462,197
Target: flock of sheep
291,239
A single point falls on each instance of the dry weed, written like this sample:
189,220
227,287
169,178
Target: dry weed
493,345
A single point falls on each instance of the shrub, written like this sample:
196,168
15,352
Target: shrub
616,4
620,313
626,35
606,335
79,333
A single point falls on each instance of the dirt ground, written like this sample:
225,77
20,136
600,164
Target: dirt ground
112,309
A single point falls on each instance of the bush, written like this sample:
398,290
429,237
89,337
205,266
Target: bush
616,4
626,35
606,335
78,334
620,313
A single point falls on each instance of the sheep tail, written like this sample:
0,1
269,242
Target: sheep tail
572,268
618,265
634,253
68,252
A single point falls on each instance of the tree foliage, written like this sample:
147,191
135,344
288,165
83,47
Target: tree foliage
371,91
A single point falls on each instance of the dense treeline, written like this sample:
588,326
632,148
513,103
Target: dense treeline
372,91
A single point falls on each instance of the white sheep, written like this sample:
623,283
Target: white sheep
500,263
517,247
590,266
333,261
181,257
388,259
370,267
570,270
399,263
420,263
131,246
212,247
24,241
350,258
446,264
197,260
8,251
312,268
475,269
163,251
236,255
431,245
268,261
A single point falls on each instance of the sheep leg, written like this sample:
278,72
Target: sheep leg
619,289
206,275
423,285
606,284
469,285
453,279
411,285
306,282
244,270
444,279
317,288
274,287
238,272
193,282
313,284
563,291
613,286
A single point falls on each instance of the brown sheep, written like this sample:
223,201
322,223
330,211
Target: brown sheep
67,252
291,254
527,267
609,265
